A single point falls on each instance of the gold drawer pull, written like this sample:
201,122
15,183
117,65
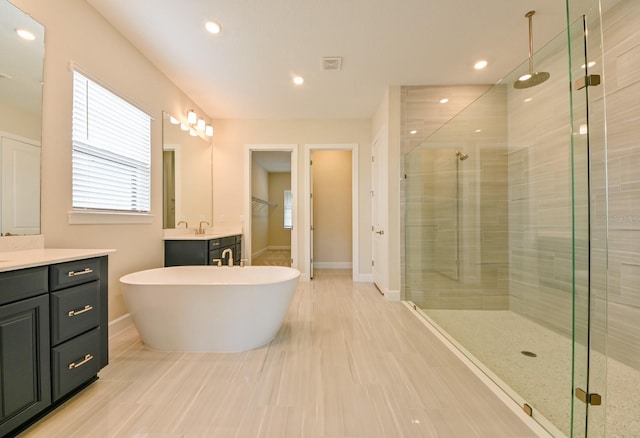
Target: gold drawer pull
79,312
75,274
86,359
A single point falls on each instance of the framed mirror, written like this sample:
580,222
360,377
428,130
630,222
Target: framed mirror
21,66
187,176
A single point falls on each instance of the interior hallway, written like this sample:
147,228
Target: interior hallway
345,363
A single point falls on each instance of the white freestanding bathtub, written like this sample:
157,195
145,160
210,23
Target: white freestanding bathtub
209,308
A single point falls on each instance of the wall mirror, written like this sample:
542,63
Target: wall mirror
187,176
21,65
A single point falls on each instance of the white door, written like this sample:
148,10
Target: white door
20,187
377,216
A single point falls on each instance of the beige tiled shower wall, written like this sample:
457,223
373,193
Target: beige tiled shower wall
621,31
456,223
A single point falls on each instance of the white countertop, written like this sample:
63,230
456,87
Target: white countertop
12,260
184,234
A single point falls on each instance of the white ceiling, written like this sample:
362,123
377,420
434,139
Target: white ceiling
246,71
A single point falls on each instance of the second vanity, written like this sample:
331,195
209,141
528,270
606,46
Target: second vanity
53,329
201,249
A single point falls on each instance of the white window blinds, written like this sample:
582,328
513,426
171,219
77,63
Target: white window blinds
288,204
111,150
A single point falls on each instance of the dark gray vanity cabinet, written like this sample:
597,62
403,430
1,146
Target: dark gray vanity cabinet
25,384
53,336
201,252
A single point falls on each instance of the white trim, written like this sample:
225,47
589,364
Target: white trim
259,252
365,278
355,219
246,217
279,247
120,324
89,217
333,265
392,295
542,427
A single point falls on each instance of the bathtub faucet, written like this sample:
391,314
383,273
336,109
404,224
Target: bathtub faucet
230,253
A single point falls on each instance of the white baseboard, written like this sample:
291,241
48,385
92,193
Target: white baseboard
259,252
365,278
392,295
281,247
332,265
119,324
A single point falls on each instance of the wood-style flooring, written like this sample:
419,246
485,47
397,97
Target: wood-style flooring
346,363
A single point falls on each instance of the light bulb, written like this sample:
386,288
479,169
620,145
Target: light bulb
201,124
208,131
192,117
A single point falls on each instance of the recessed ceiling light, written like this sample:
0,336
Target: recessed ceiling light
298,80
25,34
213,27
478,130
480,64
528,99
444,100
414,132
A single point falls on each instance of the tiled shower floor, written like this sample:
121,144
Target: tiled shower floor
497,338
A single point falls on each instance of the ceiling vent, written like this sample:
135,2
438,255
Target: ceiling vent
332,63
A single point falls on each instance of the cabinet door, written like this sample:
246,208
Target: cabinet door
25,378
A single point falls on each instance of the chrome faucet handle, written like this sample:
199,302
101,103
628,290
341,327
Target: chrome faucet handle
218,262
200,230
186,225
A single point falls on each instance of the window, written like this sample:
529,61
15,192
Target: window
287,210
111,151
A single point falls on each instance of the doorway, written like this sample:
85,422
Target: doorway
331,208
270,213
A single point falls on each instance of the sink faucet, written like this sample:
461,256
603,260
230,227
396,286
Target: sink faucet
200,230
228,251
186,225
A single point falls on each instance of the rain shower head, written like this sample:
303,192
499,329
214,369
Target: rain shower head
461,155
532,78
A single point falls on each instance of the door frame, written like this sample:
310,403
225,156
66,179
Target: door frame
306,204
246,220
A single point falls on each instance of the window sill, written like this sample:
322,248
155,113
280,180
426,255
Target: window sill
82,217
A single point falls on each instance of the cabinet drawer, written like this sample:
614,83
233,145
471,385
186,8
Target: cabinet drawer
71,273
23,283
214,244
75,362
226,242
74,310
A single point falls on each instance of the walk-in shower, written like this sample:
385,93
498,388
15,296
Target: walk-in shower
506,244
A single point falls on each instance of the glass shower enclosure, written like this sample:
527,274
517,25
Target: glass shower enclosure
505,235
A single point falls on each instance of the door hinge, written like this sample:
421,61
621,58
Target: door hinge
587,81
373,263
589,399
310,162
527,409
373,159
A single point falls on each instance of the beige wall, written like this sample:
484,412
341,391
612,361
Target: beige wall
332,207
76,32
229,144
19,122
279,237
